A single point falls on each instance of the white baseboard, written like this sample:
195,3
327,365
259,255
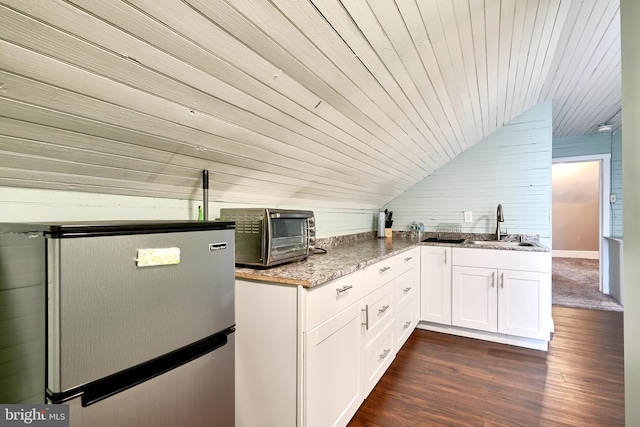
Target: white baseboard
575,254
486,336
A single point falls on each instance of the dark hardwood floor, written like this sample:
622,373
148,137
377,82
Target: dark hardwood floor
443,380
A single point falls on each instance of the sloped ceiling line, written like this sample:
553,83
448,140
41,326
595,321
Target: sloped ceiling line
312,102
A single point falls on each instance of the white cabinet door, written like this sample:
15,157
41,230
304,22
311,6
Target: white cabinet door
334,369
523,300
474,298
435,284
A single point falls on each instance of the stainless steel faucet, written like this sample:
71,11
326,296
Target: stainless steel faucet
499,219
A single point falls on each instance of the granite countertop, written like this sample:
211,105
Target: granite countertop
337,262
346,258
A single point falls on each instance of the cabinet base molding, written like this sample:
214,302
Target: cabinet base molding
486,336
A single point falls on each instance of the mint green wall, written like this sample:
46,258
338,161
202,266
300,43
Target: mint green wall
512,166
616,184
32,205
599,143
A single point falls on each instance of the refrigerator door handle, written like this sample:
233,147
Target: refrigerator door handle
103,388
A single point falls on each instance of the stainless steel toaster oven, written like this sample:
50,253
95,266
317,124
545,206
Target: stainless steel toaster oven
267,237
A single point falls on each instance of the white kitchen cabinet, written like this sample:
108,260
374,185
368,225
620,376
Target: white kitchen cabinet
267,354
506,292
376,275
333,359
409,261
474,298
404,323
524,307
378,311
306,356
505,301
435,284
333,369
407,290
377,358
323,302
378,319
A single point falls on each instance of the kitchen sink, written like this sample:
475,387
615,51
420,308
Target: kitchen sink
438,240
498,243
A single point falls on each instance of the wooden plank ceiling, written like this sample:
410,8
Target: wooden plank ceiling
339,103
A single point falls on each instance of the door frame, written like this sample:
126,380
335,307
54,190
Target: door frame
604,209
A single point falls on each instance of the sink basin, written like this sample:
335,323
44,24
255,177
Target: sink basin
439,240
498,243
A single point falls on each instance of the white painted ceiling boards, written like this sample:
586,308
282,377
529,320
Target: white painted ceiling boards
342,103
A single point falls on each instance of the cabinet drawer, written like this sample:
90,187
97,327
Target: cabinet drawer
379,311
379,273
497,258
408,260
404,325
405,289
331,298
378,356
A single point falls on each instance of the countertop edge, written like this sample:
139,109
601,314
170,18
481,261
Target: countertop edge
318,279
273,279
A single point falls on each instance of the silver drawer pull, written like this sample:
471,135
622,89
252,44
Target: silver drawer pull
407,324
366,317
383,269
383,309
407,289
493,279
409,258
385,353
343,289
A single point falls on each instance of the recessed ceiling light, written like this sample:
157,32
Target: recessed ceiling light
603,127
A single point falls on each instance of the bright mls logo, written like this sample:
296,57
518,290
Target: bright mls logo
34,415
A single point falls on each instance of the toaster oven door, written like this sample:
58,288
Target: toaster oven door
288,238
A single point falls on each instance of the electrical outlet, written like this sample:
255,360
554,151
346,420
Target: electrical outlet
468,216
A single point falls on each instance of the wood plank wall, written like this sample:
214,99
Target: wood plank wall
32,205
616,184
512,166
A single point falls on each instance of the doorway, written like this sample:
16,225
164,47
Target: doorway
581,187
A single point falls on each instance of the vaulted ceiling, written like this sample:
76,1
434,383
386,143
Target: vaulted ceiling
341,103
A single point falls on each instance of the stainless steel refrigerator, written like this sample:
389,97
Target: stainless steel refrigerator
140,321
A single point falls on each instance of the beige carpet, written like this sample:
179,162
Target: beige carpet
575,284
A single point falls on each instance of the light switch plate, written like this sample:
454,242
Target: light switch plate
468,216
